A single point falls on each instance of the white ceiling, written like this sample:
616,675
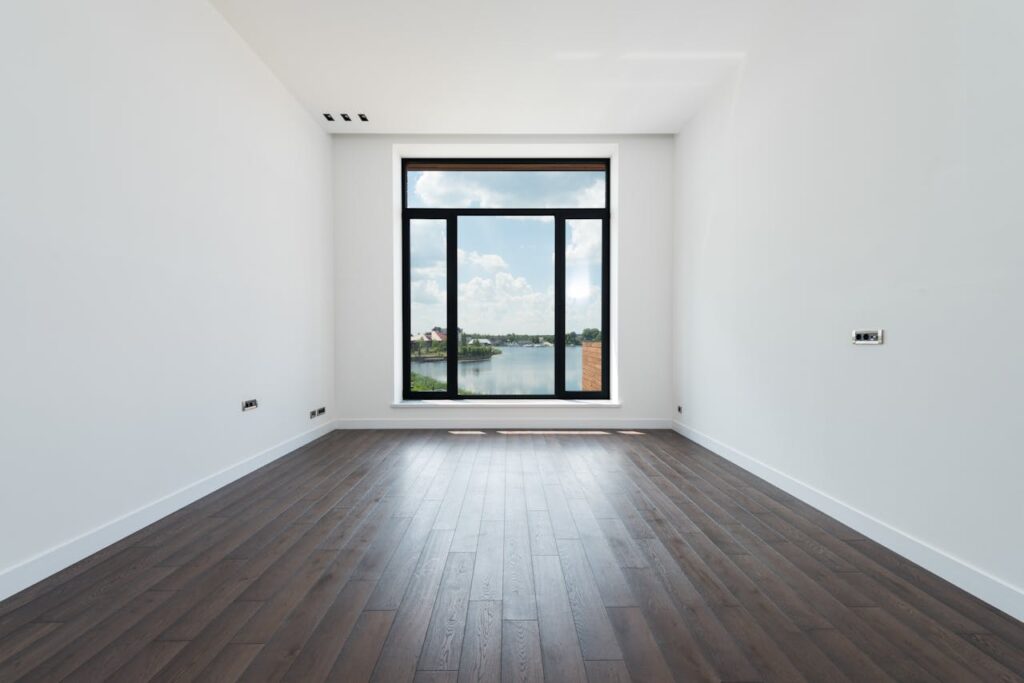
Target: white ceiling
482,66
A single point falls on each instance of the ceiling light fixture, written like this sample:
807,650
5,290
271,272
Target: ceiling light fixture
328,116
346,117
362,117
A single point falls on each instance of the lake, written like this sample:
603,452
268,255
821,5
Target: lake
517,370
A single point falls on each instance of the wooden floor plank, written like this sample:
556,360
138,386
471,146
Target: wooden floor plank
362,648
106,634
230,663
560,647
481,647
467,528
149,661
682,652
200,652
597,639
542,535
517,594
490,562
392,584
643,658
405,641
319,651
442,648
282,649
607,671
521,659
610,580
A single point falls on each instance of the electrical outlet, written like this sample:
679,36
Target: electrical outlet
868,336
679,409
251,404
321,410
312,415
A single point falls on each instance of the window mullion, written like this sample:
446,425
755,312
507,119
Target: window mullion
452,265
606,314
559,306
406,313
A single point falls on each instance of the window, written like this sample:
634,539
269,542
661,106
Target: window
505,278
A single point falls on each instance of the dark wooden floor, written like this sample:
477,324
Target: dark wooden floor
395,556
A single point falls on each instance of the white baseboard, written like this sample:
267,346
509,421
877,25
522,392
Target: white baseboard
503,423
975,581
49,562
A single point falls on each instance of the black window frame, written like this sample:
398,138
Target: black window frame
451,216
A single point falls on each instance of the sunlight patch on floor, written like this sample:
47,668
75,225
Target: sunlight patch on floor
553,432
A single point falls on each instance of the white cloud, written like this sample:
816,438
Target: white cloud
503,304
584,311
583,284
454,189
437,270
426,292
591,196
486,261
540,219
584,241
428,304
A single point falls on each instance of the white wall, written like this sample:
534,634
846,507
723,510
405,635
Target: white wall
366,302
864,170
165,253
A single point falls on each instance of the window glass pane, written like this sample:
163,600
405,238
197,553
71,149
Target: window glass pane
428,305
584,337
506,305
506,189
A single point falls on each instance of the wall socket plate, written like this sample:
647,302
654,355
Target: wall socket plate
868,336
313,414
251,404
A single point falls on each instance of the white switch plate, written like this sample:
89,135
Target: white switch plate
868,336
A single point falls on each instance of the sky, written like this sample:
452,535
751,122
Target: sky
506,189
506,264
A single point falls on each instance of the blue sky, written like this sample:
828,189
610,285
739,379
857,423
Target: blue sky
506,264
506,189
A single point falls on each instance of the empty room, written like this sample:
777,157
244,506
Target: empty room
448,341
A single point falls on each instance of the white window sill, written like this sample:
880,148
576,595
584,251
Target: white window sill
511,403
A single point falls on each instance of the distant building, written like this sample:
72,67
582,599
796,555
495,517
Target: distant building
592,366
485,342
438,334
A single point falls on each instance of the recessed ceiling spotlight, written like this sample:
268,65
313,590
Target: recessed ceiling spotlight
346,117
328,116
362,117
